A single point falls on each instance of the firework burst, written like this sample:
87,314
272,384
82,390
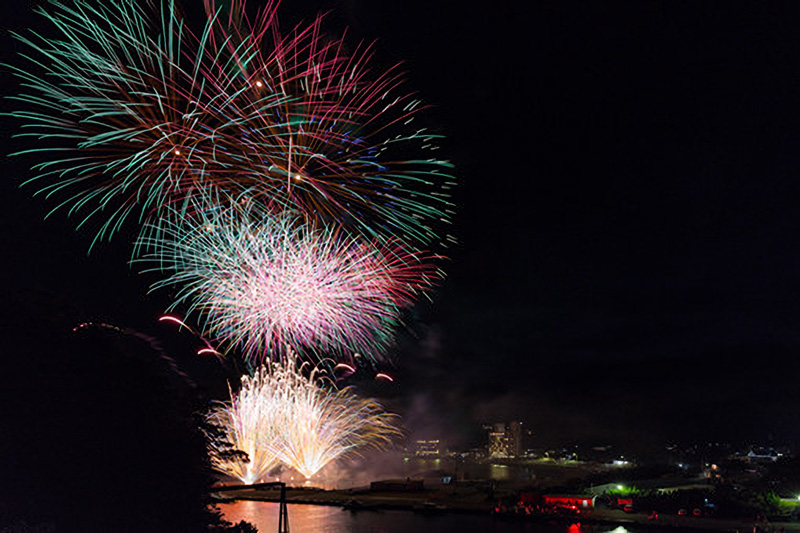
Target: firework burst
246,423
301,421
141,113
320,424
342,146
263,283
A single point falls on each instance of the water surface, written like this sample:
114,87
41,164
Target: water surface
332,519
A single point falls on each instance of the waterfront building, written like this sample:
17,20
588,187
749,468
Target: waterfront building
427,448
505,440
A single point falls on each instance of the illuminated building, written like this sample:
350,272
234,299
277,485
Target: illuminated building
498,441
505,440
427,448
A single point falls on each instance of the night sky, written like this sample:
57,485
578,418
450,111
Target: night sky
627,266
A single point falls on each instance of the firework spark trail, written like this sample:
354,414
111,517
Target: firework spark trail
110,109
344,141
264,284
301,421
136,111
207,350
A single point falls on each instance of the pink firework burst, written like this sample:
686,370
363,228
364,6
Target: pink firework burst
266,283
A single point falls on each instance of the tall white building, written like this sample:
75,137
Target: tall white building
505,440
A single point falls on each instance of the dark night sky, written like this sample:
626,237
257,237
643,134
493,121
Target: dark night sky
627,216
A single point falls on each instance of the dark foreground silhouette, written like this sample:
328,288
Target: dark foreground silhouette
100,428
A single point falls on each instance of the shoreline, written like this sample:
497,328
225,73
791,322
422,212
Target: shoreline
437,502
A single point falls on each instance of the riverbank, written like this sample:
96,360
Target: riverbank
615,516
458,500
469,500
